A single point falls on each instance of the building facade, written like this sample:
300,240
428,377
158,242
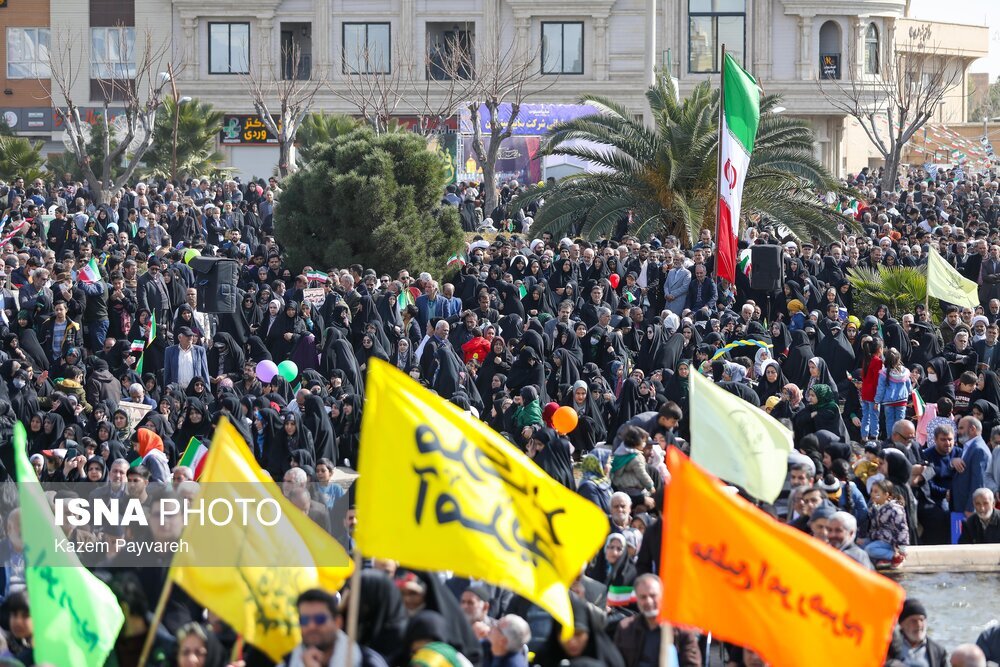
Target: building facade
608,47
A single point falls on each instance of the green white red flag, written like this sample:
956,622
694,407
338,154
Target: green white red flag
194,457
740,117
90,273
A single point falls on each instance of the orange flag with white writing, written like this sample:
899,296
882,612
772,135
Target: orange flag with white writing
731,569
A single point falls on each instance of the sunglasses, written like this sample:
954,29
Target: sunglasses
306,620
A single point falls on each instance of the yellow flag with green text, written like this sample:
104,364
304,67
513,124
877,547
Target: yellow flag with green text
946,283
440,490
257,571
736,441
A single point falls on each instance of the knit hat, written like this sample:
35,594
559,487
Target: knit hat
912,607
772,402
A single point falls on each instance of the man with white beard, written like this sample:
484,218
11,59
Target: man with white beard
638,637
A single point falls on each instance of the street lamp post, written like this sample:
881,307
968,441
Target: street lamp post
178,101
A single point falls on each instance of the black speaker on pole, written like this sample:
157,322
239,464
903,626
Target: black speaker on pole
766,271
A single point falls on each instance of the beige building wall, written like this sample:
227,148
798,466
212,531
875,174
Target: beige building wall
784,42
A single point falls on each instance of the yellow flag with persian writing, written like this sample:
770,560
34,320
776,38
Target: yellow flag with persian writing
248,572
440,490
946,283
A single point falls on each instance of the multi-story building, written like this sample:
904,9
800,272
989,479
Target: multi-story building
579,46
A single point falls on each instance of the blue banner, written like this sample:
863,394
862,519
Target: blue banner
532,119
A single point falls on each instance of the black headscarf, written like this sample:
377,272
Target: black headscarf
381,618
523,373
990,391
317,421
836,350
599,645
555,458
796,366
943,386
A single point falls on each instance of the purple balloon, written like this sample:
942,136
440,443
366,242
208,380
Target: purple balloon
266,370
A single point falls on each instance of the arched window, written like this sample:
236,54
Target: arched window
829,50
871,50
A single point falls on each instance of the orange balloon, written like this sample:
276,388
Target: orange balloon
564,419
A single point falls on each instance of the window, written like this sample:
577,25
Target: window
28,53
871,49
829,50
562,48
367,48
712,23
112,53
228,48
451,51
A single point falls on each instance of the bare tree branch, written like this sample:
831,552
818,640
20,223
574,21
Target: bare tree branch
282,102
125,74
501,78
909,89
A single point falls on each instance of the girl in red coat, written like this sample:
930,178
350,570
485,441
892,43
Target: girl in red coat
870,367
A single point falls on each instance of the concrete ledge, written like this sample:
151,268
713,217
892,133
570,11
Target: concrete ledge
952,558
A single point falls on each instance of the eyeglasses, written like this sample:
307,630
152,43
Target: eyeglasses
306,620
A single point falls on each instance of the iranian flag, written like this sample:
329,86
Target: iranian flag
318,276
739,117
620,596
918,404
91,273
194,457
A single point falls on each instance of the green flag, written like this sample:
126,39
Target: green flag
736,441
76,616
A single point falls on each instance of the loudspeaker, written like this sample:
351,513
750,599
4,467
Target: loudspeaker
766,268
215,280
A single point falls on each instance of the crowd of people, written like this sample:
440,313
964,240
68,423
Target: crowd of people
895,416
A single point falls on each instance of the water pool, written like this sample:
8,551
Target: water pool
959,605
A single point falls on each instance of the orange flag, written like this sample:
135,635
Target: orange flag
731,569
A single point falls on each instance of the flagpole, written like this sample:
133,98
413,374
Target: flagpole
927,291
353,605
718,165
161,607
666,641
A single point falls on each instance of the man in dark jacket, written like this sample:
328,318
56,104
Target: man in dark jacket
102,385
702,292
983,527
917,647
638,637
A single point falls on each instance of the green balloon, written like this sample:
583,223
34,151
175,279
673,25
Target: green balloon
190,254
288,370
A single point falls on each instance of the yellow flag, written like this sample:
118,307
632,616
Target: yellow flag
250,573
946,283
440,490
736,441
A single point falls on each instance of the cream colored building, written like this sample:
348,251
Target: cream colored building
584,46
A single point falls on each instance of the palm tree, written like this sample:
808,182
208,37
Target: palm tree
19,157
902,288
665,176
322,128
198,127
59,164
